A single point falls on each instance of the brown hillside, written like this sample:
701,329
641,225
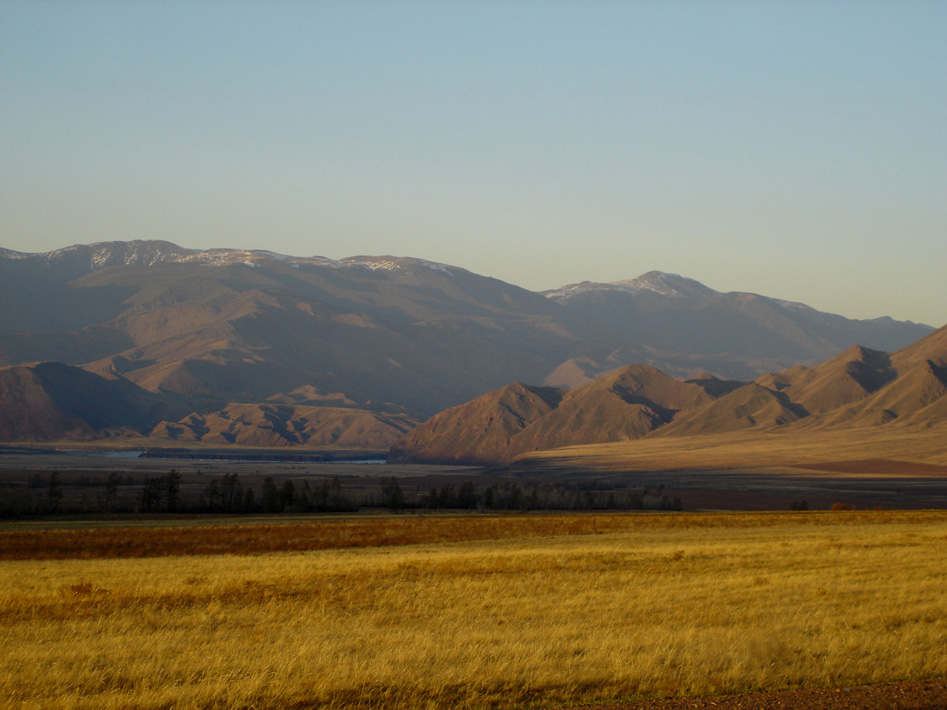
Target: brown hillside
913,395
623,405
748,407
606,416
909,399
479,431
846,378
859,387
274,425
642,384
931,347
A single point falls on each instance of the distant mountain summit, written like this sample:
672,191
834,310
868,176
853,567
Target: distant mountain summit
675,321
222,344
653,282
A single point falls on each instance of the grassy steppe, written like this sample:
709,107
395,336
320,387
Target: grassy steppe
773,446
552,609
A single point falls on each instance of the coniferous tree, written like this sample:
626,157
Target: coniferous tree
111,490
287,496
54,492
271,499
392,495
172,489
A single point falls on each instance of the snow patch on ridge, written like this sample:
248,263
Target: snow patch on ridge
434,266
155,252
793,304
10,254
657,282
380,263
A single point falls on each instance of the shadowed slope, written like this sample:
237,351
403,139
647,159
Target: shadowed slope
51,401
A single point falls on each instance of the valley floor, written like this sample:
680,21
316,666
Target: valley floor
770,469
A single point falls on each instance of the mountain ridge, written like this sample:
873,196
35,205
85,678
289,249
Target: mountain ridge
387,335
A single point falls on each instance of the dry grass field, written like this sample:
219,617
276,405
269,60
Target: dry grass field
768,469
515,611
762,448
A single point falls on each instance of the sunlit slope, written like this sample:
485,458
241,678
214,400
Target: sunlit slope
915,393
626,404
481,431
272,425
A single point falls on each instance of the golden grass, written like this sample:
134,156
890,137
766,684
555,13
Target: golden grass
672,604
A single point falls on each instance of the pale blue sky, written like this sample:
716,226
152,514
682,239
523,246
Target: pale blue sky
795,149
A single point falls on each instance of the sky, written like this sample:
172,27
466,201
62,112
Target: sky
793,149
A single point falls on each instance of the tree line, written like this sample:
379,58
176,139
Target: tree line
228,494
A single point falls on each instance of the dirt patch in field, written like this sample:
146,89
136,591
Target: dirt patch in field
909,695
885,467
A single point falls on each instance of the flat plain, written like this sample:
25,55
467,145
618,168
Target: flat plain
767,469
540,610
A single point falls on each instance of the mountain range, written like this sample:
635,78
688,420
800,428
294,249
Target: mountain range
860,387
153,342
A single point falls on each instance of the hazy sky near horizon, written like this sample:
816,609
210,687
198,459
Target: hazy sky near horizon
794,149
